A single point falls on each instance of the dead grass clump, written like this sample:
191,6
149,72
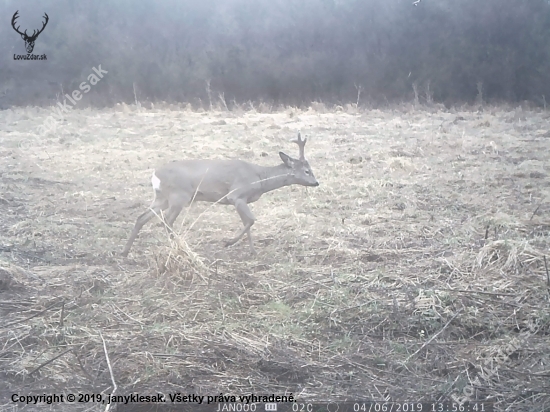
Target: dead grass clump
180,259
6,280
11,277
319,107
508,256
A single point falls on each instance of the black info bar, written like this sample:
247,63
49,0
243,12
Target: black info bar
327,406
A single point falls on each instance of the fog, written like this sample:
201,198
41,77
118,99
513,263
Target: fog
279,51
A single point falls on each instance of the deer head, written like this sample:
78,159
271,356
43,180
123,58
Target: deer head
29,40
300,169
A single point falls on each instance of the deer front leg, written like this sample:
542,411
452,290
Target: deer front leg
248,220
154,210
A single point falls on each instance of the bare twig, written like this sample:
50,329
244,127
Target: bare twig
222,98
50,361
434,336
535,212
209,93
415,89
30,317
221,306
110,370
135,96
479,96
359,89
176,355
481,292
62,315
90,377
429,94
547,274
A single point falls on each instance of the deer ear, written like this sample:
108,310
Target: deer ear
287,160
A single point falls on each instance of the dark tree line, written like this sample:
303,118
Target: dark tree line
280,51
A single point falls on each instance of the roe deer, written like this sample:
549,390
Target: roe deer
228,182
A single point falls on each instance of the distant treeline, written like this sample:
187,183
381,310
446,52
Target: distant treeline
279,51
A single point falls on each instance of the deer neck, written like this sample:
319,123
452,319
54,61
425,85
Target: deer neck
274,177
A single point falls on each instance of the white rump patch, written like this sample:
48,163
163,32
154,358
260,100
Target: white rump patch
156,182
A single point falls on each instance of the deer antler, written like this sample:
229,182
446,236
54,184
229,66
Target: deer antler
13,21
43,27
34,33
301,144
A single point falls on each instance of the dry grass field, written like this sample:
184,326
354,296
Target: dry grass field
402,276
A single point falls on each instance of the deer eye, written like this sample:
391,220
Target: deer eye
307,172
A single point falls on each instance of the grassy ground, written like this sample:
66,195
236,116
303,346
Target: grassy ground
418,258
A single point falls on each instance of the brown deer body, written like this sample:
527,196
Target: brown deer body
228,182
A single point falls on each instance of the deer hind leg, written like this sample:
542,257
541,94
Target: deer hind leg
160,203
177,201
248,220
